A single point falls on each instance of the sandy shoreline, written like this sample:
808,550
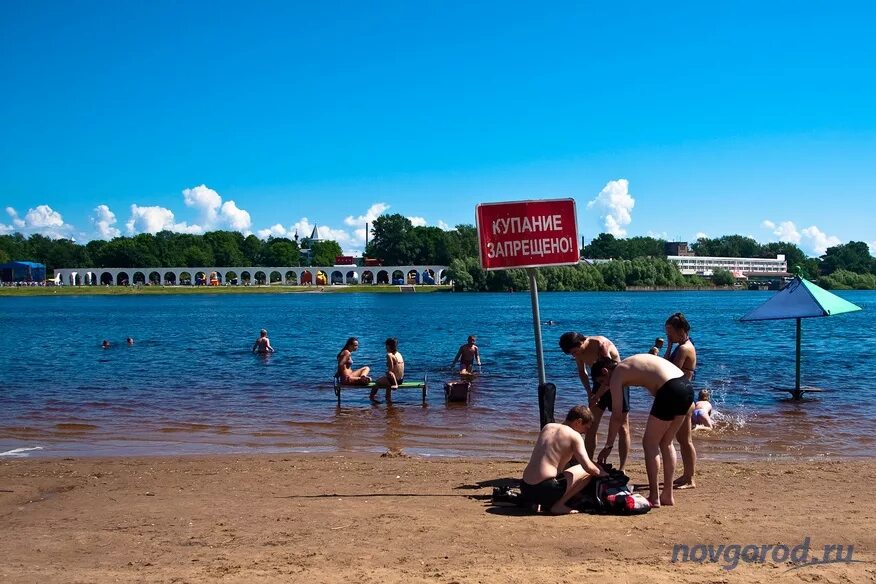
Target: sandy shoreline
359,518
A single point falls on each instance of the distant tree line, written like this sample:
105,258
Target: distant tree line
844,266
165,248
640,261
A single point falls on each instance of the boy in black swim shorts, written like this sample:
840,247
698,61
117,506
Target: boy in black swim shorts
546,480
673,398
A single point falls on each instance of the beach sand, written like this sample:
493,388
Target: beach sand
336,518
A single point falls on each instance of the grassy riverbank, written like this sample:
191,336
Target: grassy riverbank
167,290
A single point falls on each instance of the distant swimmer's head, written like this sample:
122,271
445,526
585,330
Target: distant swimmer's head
129,340
570,341
105,344
263,332
352,344
677,327
391,345
579,418
705,395
471,339
602,368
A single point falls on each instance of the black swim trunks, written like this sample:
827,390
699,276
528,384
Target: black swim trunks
604,402
545,493
673,399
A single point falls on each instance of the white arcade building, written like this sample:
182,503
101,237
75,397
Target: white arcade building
251,275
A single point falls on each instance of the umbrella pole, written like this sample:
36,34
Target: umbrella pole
797,384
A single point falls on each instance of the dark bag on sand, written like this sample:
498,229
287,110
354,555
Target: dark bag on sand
508,497
612,495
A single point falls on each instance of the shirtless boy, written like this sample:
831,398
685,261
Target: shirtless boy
467,355
673,400
543,483
395,370
586,351
262,344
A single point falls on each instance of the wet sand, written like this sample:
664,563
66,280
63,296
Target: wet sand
366,518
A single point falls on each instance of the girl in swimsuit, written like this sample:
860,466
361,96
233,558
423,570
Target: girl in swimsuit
684,356
345,372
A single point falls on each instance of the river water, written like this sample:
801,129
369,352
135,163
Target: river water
190,384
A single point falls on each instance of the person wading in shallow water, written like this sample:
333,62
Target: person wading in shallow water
262,345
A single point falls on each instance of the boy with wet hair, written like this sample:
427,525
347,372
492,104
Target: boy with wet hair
586,350
673,400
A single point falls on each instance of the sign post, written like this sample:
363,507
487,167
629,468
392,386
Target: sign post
530,234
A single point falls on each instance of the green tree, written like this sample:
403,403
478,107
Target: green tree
252,250
283,252
640,247
462,242
198,256
390,241
323,253
722,278
604,246
853,257
226,247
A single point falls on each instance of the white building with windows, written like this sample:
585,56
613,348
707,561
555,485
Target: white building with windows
705,266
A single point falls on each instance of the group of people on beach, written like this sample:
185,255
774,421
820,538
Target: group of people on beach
607,377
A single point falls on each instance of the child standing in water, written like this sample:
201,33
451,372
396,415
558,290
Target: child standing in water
395,370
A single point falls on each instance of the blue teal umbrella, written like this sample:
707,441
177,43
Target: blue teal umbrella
800,299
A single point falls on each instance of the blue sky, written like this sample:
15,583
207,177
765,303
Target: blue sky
754,118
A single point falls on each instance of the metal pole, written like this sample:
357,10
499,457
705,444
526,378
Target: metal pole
536,324
799,328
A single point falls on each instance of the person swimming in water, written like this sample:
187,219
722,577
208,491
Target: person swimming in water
701,418
345,371
105,344
262,345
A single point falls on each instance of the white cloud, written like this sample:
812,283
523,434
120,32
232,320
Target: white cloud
658,235
444,226
155,219
872,245
811,239
615,205
701,235
351,241
785,231
206,201
417,221
820,241
212,212
373,212
41,219
235,217
103,221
